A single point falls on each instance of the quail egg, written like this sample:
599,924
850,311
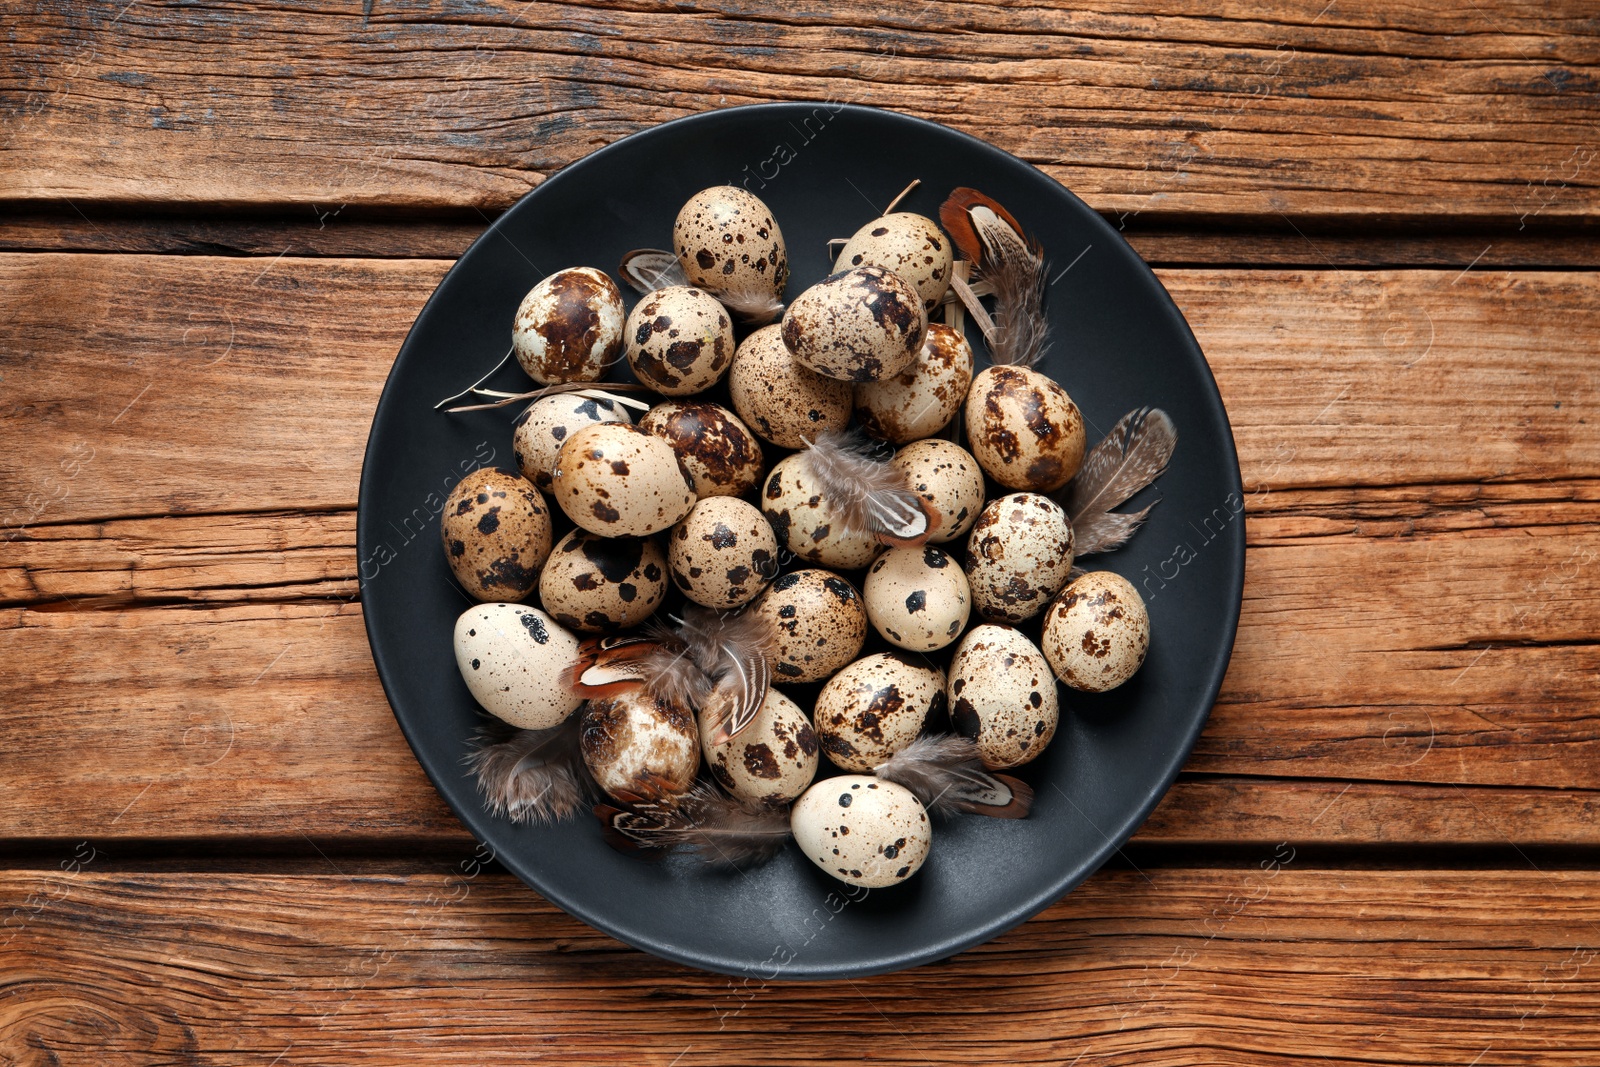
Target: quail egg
861,325
875,707
782,401
1002,695
569,327
1018,557
1024,429
805,525
723,553
496,532
917,598
863,831
920,400
772,760
1097,634
728,244
640,745
908,244
618,481
947,477
544,426
820,622
718,452
508,654
680,340
600,584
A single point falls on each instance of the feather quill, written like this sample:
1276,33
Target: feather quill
534,776
719,830
945,773
1012,264
649,269
868,495
1130,457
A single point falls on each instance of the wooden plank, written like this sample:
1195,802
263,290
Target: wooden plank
1272,964
1332,378
1178,108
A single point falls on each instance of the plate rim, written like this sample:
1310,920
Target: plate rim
1075,874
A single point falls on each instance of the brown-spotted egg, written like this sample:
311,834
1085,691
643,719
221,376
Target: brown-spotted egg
946,476
508,654
920,400
544,426
917,598
496,532
862,831
1096,635
718,452
723,553
820,622
639,744
909,244
805,524
680,340
861,325
569,327
1018,557
728,244
772,760
782,401
875,707
1024,429
603,584
1002,695
615,480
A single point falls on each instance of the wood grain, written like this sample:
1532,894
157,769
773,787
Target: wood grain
1271,964
273,367
1178,108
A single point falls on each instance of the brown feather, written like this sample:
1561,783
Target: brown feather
649,269
868,495
735,651
1012,264
1130,457
534,776
721,831
945,773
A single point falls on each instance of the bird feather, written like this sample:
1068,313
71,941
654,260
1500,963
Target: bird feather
1130,457
868,495
719,830
945,773
649,269
534,776
1012,265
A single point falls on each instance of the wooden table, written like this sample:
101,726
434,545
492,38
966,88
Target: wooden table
220,221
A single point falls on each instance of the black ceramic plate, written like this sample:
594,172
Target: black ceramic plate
1119,343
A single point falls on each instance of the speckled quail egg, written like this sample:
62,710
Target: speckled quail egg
618,481
875,707
508,655
772,760
920,400
908,244
723,553
861,325
639,744
569,327
1002,695
680,340
863,831
917,598
1024,429
1097,633
544,426
782,401
1018,557
727,243
718,452
946,476
496,532
602,584
820,620
805,524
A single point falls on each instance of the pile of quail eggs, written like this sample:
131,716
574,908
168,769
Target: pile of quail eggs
615,515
